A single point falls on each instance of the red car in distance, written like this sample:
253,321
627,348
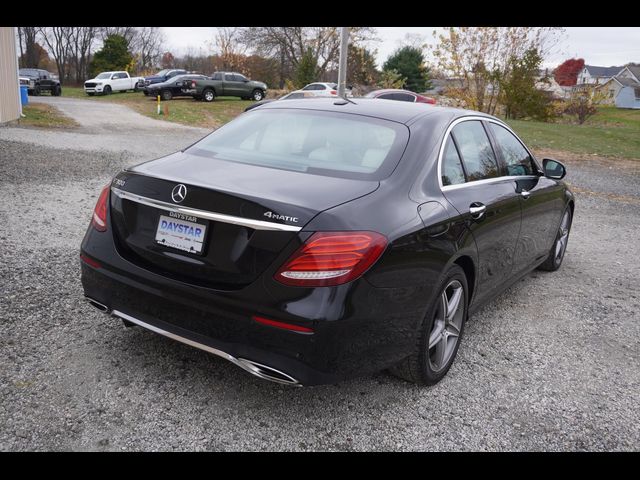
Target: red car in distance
400,95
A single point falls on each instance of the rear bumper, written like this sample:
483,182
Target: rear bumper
357,329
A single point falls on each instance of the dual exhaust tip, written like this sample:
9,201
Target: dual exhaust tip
257,369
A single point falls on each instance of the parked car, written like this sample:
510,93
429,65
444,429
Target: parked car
178,86
310,241
321,89
230,84
39,81
107,82
400,95
162,76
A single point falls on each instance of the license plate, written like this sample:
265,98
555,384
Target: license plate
181,234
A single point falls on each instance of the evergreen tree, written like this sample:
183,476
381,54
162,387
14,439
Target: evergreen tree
114,55
409,62
307,70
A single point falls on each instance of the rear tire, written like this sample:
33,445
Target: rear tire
257,95
208,95
107,90
440,334
166,95
559,247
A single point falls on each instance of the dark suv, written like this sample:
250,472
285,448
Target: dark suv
178,86
39,81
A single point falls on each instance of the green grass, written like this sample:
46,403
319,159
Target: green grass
44,116
612,132
184,110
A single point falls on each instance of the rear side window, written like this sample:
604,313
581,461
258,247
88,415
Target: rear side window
405,97
476,151
516,157
316,142
217,76
452,171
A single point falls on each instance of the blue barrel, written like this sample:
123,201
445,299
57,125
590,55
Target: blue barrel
24,94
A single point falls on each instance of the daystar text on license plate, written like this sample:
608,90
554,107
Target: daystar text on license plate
181,234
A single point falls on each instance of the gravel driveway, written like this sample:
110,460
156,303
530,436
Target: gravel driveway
552,364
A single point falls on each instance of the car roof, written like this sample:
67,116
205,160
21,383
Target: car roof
401,112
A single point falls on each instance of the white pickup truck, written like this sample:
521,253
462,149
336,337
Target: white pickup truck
108,82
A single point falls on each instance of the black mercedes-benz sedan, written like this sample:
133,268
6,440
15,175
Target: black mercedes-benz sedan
315,240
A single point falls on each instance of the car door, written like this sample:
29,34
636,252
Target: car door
120,81
541,198
472,181
232,86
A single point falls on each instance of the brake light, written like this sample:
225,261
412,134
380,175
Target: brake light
332,258
193,84
333,92
99,220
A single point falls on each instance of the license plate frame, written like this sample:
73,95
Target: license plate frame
181,232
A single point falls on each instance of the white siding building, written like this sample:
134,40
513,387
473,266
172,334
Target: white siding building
10,106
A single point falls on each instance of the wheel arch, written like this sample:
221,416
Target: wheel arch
468,266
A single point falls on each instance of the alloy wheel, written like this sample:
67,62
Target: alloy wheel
563,237
447,324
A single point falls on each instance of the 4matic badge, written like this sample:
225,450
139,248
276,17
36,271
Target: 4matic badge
286,218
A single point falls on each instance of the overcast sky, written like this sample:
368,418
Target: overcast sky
606,46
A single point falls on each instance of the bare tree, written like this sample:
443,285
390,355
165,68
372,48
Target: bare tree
82,41
129,33
58,41
291,43
230,48
27,37
150,43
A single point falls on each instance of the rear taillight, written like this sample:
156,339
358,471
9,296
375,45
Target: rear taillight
333,92
332,258
193,84
99,220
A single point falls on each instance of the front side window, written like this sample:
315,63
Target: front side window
322,143
476,151
452,171
240,78
516,157
228,77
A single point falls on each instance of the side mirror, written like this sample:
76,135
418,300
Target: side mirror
553,169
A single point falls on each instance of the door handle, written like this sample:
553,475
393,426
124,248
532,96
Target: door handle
525,194
477,210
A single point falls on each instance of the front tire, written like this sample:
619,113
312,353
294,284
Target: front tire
559,247
57,91
36,91
440,333
257,95
106,90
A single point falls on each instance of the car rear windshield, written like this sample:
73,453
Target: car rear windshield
315,142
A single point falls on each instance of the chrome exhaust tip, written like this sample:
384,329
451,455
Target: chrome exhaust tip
100,306
265,372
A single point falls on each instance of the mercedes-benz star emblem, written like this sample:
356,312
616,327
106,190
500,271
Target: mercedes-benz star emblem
179,193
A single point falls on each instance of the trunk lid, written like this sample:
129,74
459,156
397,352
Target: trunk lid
249,214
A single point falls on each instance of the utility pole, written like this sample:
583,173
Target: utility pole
342,65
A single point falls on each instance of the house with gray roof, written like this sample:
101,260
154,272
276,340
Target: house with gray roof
624,88
597,75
